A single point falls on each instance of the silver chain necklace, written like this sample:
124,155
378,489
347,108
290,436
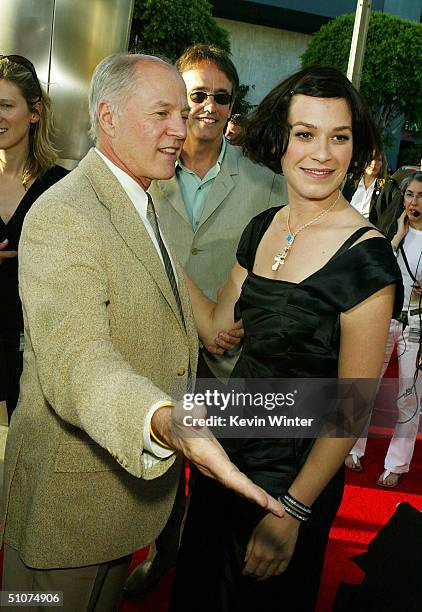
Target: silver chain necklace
281,256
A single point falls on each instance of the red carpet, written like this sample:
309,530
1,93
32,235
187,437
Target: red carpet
365,509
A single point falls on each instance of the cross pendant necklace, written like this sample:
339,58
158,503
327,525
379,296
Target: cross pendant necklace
281,256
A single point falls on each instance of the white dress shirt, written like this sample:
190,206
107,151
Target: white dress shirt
139,199
362,197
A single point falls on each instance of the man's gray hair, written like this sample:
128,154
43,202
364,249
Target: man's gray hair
114,82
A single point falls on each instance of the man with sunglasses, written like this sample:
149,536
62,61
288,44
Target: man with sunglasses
203,211
216,191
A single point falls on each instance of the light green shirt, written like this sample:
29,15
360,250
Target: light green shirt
195,190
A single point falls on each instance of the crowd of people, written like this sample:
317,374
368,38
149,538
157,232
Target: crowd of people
278,240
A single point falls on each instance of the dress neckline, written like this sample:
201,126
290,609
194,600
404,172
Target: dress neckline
21,203
345,247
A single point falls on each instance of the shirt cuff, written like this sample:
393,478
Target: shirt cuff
149,445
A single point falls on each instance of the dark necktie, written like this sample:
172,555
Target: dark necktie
152,218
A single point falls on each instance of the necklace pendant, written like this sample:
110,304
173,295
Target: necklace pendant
279,259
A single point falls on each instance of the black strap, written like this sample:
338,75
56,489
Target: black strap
352,239
406,263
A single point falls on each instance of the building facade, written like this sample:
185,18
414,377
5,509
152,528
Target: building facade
268,37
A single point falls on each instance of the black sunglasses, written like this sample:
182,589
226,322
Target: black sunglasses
198,97
22,61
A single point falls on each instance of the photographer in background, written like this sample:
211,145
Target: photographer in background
405,335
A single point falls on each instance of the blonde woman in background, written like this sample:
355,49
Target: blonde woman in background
27,169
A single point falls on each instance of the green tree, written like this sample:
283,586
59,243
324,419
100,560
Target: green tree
241,105
167,27
392,69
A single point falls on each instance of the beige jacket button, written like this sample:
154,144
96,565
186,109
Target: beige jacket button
195,251
181,371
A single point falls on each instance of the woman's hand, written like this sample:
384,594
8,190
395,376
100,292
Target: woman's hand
402,229
417,288
227,341
271,546
212,318
6,254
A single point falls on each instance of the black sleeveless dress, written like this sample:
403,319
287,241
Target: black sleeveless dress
11,318
291,330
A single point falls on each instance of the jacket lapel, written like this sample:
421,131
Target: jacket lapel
127,223
170,190
223,183
221,188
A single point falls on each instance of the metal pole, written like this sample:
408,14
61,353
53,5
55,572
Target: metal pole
357,49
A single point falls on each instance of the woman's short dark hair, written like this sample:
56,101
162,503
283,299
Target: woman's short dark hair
268,130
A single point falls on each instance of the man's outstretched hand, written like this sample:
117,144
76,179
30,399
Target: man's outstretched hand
201,447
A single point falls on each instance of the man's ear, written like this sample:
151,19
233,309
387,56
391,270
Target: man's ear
106,118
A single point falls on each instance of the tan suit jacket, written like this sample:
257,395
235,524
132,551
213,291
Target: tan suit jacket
103,342
241,190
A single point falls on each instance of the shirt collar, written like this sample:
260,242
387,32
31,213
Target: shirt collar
218,163
363,186
136,194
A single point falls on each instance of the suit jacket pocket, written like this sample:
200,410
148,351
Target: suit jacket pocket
83,457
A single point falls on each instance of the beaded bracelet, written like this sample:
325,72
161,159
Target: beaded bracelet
293,513
297,504
295,508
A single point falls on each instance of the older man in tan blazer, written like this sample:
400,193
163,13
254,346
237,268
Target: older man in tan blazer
110,343
203,211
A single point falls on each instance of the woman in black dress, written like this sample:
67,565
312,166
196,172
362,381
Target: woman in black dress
26,170
316,286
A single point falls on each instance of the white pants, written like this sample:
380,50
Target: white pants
400,450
